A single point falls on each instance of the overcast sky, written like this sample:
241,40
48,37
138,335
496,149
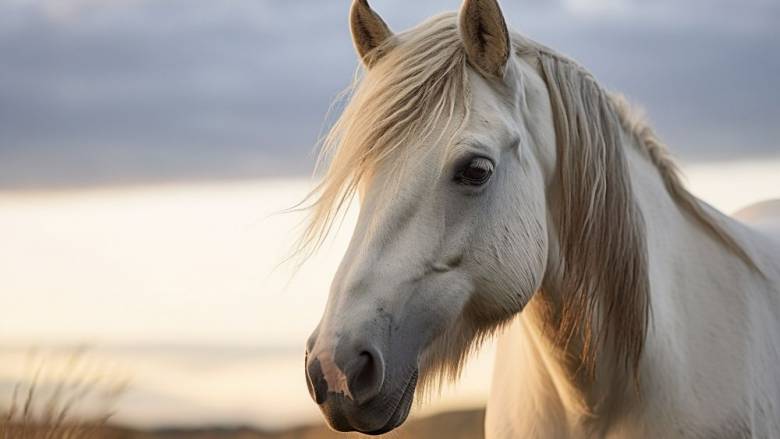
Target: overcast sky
96,92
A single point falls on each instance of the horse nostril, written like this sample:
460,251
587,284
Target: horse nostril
315,380
366,376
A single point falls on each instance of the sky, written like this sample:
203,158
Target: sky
127,92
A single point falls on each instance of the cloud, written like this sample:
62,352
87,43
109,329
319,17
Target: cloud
134,91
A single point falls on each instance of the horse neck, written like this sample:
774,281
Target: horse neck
687,267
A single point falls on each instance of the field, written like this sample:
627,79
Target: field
453,425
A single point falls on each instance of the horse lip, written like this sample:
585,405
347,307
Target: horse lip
402,408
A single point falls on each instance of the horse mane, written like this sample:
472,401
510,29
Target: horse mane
601,230
420,83
602,235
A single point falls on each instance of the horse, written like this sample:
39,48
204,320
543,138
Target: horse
504,192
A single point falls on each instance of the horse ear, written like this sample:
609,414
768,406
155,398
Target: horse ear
369,32
485,36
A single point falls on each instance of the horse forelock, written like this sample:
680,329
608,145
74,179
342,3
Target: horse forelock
414,95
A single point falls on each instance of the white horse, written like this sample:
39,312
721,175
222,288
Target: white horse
502,188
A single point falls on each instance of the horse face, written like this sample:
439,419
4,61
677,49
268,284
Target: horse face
451,241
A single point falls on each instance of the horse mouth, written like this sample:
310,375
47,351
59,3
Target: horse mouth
402,408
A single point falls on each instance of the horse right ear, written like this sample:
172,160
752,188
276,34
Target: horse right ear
369,32
485,36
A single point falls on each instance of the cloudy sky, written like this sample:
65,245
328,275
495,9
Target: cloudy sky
112,92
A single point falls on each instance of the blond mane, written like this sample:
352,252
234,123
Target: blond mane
421,82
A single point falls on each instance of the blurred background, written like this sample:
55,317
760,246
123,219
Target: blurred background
146,146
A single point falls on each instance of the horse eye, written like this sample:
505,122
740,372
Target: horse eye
476,173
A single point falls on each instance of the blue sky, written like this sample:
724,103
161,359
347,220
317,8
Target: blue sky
112,92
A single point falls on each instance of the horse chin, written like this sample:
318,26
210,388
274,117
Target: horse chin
401,411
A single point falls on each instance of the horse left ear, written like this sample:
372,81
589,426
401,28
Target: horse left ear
369,32
485,36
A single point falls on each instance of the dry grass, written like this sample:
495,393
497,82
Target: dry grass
467,424
64,398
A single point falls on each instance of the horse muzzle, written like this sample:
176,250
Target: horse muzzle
355,390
